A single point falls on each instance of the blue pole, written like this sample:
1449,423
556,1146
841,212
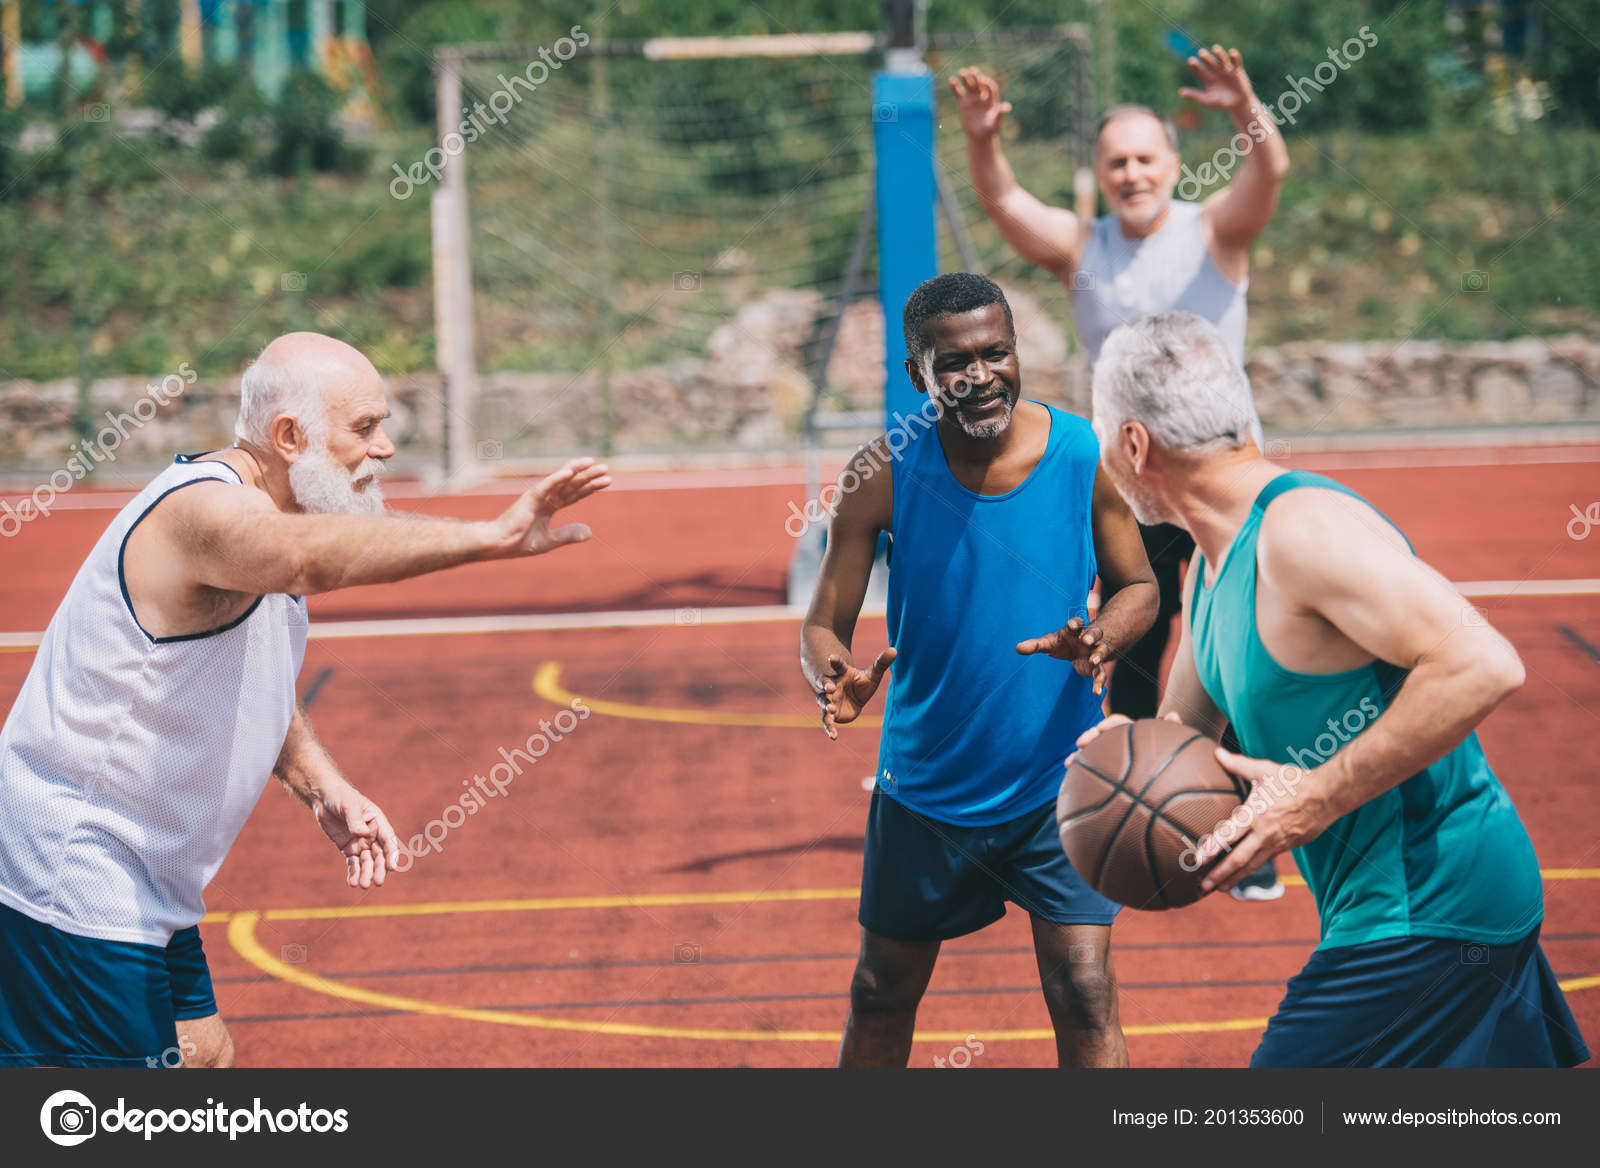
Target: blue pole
907,199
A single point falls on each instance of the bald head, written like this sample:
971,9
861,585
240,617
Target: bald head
304,376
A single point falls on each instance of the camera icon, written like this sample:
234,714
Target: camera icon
293,282
1474,618
686,281
887,783
293,954
67,1118
1474,955
98,112
1277,448
491,451
685,954
1082,281
686,616
885,111
1082,955
1475,281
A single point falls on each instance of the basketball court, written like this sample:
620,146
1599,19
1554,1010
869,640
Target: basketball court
673,882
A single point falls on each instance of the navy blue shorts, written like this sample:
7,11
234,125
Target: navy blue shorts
924,880
1424,1002
70,1001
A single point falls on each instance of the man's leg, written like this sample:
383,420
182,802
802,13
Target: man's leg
1080,989
205,1042
203,1038
888,984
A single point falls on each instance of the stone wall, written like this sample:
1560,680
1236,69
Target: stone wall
749,392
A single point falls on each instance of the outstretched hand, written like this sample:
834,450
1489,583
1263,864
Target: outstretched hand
1224,83
846,690
524,527
1084,647
361,832
978,100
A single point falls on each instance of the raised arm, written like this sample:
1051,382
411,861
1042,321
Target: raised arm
236,540
1239,212
825,637
1044,235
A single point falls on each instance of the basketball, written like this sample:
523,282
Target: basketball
1134,805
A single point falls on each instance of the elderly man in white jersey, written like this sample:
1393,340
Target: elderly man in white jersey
162,697
1152,253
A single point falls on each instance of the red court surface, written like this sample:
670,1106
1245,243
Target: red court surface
673,883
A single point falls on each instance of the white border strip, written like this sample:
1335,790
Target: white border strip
688,617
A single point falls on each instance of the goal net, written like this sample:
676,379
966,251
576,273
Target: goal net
671,243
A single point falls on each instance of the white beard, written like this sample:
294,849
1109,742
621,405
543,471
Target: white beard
985,429
1142,502
322,487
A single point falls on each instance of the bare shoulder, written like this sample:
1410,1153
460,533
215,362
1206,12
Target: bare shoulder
1316,536
202,510
865,487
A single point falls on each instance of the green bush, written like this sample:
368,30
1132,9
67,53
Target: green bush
305,132
407,60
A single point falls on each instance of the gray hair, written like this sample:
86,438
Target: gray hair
1173,373
1118,111
270,390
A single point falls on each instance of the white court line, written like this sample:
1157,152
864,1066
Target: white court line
694,617
794,475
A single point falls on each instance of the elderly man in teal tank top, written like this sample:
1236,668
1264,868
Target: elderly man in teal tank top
1000,521
1356,710
1151,253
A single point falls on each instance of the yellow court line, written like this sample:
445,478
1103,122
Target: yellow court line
638,900
547,684
242,936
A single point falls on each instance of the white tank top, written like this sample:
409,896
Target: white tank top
129,763
1119,279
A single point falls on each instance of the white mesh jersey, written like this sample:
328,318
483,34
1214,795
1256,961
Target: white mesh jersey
129,763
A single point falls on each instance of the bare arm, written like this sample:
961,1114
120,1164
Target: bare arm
1044,235
1129,595
1458,668
355,824
825,637
1240,211
237,540
1185,698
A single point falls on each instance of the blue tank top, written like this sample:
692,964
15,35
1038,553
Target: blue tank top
973,733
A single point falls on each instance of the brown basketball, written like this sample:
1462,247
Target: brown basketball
1135,802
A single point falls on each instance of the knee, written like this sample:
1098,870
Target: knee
1085,993
872,992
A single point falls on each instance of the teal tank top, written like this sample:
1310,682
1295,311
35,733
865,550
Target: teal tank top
1443,854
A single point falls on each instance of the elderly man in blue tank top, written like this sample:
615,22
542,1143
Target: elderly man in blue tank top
1152,253
999,520
1425,881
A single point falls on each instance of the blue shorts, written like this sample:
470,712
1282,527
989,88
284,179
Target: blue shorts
70,1001
924,880
1424,1002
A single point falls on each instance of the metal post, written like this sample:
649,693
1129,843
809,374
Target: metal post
452,279
907,195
